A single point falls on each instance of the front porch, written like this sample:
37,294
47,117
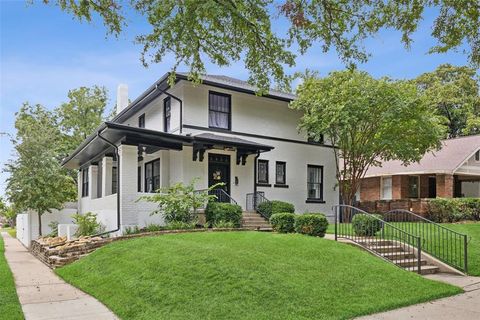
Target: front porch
141,161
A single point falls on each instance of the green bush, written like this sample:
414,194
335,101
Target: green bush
226,212
132,230
54,226
366,224
313,224
180,225
87,224
224,224
283,222
453,210
275,206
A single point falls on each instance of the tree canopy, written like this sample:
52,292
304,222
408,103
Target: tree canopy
235,30
81,115
368,120
455,93
37,182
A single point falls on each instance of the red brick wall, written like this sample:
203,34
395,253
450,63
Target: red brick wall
370,189
445,185
399,187
424,186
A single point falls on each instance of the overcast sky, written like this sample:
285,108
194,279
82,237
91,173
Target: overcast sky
45,53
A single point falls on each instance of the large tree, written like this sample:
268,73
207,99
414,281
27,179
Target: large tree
233,30
37,182
81,115
368,120
454,92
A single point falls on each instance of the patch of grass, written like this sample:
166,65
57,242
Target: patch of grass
472,230
245,275
9,305
11,231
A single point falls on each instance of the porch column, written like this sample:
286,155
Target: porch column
445,185
107,176
92,182
128,184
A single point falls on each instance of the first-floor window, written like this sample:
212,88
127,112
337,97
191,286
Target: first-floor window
280,172
85,182
413,186
114,180
315,182
152,176
386,188
262,171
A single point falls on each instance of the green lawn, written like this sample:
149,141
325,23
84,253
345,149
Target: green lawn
9,305
472,230
11,231
245,275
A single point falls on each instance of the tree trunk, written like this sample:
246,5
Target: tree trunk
39,224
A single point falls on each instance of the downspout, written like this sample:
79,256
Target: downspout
117,155
175,98
255,181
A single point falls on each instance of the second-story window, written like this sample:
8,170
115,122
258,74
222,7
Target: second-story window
141,121
219,110
167,111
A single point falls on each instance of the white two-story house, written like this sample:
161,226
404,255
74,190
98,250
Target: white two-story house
218,131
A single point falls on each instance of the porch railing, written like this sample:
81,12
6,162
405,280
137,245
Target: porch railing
254,200
388,241
220,194
439,241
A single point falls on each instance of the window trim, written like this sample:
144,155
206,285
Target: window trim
229,96
382,196
418,187
281,184
85,182
145,174
477,156
321,199
141,121
165,118
263,182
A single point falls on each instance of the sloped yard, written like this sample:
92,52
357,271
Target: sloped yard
245,275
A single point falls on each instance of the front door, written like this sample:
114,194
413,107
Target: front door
219,171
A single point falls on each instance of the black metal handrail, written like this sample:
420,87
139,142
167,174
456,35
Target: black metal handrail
220,194
384,240
254,200
447,245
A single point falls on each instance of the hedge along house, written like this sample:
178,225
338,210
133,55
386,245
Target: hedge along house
218,131
451,172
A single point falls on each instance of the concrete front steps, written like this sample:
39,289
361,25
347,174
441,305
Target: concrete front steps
396,253
254,221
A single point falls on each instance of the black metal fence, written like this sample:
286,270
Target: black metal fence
439,241
379,237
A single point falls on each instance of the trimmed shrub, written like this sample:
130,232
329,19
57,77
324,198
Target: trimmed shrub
313,224
366,224
275,206
224,224
453,210
226,212
283,222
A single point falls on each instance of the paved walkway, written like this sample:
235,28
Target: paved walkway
42,294
464,306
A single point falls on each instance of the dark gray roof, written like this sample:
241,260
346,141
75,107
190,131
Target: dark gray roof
230,140
240,84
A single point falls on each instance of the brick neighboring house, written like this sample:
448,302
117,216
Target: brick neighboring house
451,172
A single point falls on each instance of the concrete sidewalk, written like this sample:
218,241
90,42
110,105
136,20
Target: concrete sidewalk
42,294
464,306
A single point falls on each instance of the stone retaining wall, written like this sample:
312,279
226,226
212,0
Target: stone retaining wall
57,252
